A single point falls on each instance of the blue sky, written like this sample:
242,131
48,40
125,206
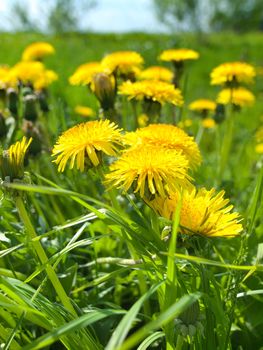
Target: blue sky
108,15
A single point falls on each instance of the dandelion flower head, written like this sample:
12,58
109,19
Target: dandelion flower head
233,72
122,62
149,171
208,123
202,105
157,91
37,51
85,73
84,111
203,212
259,148
240,97
168,137
178,55
156,73
85,141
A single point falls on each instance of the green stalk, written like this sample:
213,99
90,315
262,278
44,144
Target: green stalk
42,256
226,145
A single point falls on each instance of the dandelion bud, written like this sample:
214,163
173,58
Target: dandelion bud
2,96
12,160
12,98
219,116
30,107
3,127
32,131
104,89
42,97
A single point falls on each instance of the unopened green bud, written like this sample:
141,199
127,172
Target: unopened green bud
104,90
2,96
42,97
12,98
219,115
32,131
3,127
30,107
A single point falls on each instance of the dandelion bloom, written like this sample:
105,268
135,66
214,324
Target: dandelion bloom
208,123
12,160
156,91
47,77
37,51
123,62
32,72
150,171
168,137
202,212
259,134
202,105
84,73
240,97
233,72
259,148
84,111
179,55
186,123
156,73
143,120
86,141
5,79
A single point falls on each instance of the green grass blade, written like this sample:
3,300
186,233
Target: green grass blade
149,340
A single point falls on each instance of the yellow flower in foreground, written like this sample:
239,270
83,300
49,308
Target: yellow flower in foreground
150,171
157,73
84,73
157,91
259,148
86,141
202,105
240,97
123,62
179,55
37,51
12,160
208,123
203,212
84,111
168,137
5,79
233,72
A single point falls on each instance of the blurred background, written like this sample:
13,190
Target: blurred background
156,16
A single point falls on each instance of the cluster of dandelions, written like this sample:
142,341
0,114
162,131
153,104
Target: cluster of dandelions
156,163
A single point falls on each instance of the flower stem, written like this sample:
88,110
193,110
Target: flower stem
42,256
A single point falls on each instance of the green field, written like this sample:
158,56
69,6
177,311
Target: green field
111,275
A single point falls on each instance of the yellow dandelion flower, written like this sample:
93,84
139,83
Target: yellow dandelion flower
202,105
122,62
168,137
86,141
84,73
259,148
84,111
240,97
12,160
45,79
156,73
5,78
186,123
37,51
143,120
233,72
30,72
208,123
179,55
203,212
259,134
149,171
156,91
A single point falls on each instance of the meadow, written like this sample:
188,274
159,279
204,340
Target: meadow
97,256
